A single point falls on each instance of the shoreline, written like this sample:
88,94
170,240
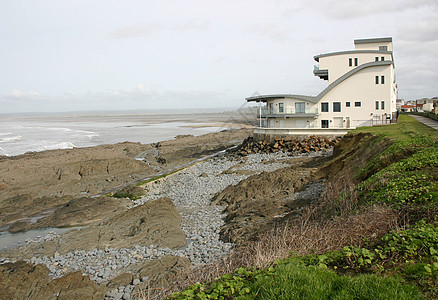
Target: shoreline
201,222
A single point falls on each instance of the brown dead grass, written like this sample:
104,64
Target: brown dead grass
333,223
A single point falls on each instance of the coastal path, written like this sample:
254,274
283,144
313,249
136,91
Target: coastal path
426,121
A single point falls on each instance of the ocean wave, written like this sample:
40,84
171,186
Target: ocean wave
9,139
62,145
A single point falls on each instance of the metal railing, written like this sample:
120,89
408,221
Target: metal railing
289,111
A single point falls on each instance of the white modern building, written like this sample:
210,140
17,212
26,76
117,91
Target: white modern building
361,91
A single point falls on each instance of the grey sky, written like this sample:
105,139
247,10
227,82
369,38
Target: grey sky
61,55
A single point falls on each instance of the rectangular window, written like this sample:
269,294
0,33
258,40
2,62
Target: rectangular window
382,79
324,107
271,108
280,107
377,79
383,48
382,58
382,104
377,58
325,123
337,106
300,107
350,62
347,104
358,104
377,104
356,61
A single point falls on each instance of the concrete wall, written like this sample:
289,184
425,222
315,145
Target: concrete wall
270,134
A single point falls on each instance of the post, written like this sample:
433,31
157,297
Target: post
260,113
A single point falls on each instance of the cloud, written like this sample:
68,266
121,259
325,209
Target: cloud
137,30
192,24
272,31
140,96
16,94
147,28
340,9
421,31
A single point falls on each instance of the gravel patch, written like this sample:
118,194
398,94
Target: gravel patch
191,190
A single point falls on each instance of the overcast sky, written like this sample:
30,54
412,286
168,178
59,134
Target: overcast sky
62,55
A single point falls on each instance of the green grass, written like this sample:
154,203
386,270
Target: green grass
157,177
407,129
294,281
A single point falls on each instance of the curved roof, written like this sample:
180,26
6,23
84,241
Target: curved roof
351,73
317,57
264,98
313,99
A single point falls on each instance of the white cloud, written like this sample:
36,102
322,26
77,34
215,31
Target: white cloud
137,30
147,28
273,31
421,31
139,97
340,9
16,94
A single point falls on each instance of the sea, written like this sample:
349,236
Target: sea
21,133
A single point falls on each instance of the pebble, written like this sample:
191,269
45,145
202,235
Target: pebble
191,190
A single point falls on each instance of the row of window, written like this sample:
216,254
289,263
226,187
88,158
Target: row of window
350,62
356,61
382,104
337,105
382,79
300,107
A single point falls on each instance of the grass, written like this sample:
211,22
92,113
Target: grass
157,177
295,281
372,239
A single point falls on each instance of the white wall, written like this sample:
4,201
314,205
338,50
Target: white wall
338,65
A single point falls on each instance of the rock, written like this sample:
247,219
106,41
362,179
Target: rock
22,280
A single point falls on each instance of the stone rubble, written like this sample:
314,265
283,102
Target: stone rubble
191,190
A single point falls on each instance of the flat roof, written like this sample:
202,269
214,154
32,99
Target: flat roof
373,40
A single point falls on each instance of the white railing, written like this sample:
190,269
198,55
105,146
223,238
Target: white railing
289,111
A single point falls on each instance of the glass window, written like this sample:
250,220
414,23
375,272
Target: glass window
347,104
271,108
336,106
300,107
324,107
382,79
358,104
382,104
325,123
377,79
383,48
377,58
280,107
355,61
377,104
350,62
382,58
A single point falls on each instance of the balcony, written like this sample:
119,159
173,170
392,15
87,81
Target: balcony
323,74
288,113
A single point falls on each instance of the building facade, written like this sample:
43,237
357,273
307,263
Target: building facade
361,91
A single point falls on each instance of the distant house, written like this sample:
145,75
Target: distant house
427,105
361,91
408,108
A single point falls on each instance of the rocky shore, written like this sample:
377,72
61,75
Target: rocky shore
185,219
